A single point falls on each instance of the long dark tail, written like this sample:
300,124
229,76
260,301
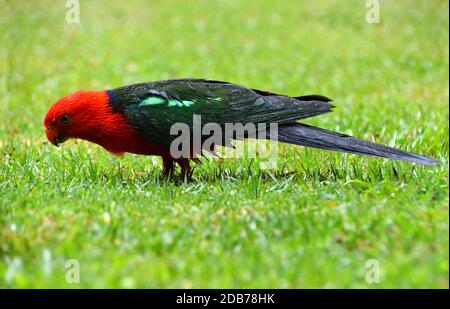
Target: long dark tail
306,135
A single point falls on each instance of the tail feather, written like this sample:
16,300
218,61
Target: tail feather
313,97
306,135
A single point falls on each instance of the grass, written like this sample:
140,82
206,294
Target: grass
314,221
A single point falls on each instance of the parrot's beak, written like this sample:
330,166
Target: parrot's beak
54,137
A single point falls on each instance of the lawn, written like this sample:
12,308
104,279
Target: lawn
319,219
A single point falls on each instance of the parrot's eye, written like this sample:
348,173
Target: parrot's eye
65,119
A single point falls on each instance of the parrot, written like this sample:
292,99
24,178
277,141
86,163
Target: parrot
138,119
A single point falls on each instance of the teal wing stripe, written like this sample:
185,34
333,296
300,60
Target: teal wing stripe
152,101
170,102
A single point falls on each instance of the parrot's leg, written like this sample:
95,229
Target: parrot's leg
186,171
167,166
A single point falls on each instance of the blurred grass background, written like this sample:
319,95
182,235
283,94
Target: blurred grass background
312,222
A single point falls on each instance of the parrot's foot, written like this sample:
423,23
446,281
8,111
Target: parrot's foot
186,170
168,167
167,173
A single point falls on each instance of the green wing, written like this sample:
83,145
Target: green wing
152,108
